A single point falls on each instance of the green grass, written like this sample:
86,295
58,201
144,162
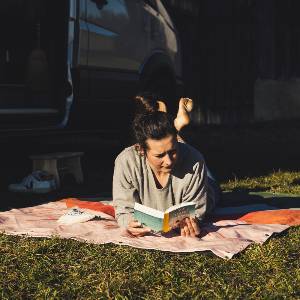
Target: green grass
65,269
277,182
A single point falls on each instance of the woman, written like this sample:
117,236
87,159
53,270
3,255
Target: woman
160,170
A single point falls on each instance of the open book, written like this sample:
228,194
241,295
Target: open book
166,220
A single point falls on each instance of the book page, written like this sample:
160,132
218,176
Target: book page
183,204
149,211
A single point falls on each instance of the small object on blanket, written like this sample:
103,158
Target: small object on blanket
97,206
74,216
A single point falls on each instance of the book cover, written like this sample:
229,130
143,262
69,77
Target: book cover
163,221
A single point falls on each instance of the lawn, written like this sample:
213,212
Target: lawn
65,269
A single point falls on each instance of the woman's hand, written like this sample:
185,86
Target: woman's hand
189,228
136,229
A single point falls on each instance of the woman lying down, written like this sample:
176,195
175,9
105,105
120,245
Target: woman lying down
160,170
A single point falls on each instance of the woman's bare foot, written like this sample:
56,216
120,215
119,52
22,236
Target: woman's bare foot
161,106
183,118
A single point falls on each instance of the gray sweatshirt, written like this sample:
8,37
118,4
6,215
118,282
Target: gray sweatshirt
133,181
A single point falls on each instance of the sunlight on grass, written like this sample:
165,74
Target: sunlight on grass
278,182
36,268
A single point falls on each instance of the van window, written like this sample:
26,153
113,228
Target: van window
102,12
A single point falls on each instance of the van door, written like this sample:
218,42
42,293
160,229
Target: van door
117,48
82,84
33,67
154,27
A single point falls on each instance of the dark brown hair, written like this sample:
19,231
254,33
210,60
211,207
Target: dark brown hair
149,123
145,103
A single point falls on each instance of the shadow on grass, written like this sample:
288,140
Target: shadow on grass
242,196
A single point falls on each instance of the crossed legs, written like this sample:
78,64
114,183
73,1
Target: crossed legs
182,119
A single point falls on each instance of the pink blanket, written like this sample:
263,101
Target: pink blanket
224,238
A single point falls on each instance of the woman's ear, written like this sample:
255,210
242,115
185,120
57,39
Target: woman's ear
139,149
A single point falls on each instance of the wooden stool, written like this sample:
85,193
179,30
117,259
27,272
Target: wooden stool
59,164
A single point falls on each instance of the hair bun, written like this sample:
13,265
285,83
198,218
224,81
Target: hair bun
145,103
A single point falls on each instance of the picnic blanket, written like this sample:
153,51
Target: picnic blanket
225,237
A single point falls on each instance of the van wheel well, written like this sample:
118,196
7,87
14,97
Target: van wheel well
162,83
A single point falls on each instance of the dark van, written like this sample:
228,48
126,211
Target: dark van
78,63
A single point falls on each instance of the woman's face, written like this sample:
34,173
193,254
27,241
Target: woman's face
162,154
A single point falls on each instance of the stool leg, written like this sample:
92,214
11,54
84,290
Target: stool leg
47,165
73,165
